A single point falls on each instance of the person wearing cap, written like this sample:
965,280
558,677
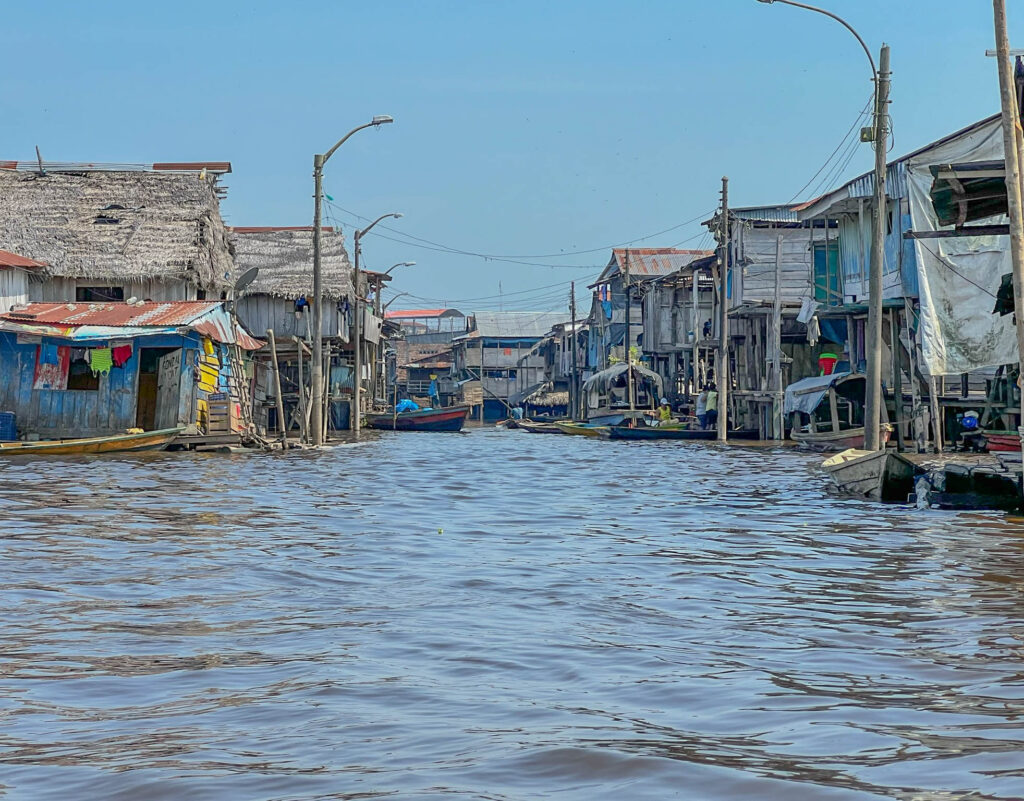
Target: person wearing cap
664,417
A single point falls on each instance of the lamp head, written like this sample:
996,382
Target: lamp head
397,214
382,119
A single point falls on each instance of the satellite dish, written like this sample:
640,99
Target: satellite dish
246,278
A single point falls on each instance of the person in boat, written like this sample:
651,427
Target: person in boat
701,409
406,405
711,412
663,414
517,412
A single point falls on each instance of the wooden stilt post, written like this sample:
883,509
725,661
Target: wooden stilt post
303,409
282,423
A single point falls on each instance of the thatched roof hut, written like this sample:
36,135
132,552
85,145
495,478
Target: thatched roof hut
122,223
284,257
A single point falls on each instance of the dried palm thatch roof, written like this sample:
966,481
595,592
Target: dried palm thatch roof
284,257
118,222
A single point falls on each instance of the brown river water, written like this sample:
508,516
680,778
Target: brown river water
500,615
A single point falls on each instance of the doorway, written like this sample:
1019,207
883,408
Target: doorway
159,388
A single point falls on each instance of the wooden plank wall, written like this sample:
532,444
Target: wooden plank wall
108,410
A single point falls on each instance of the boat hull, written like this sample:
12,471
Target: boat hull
539,428
668,432
878,475
839,440
583,429
452,418
1002,441
119,443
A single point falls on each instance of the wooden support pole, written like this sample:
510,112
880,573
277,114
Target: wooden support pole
282,423
778,423
722,361
303,410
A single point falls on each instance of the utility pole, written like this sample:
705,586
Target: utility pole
627,341
574,395
873,395
722,359
778,424
316,378
357,339
1011,134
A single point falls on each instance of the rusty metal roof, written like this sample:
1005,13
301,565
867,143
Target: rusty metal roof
113,314
411,314
90,321
646,263
8,259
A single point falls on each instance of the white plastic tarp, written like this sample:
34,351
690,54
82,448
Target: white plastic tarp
959,276
805,395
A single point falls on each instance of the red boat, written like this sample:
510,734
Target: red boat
450,419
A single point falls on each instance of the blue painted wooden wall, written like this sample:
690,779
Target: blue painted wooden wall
72,413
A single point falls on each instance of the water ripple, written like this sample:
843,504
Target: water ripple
500,616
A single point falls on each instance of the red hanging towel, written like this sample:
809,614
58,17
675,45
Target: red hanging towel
121,354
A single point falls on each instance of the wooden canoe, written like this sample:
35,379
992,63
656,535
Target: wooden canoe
879,475
841,440
583,429
117,443
538,428
676,432
451,418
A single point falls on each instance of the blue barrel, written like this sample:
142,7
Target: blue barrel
8,430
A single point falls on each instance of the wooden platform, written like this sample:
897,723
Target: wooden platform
190,442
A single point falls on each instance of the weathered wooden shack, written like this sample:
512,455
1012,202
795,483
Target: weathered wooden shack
944,350
281,298
777,263
114,232
618,293
93,369
680,327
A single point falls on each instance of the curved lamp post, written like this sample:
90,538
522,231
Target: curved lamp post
880,136
357,380
400,264
316,379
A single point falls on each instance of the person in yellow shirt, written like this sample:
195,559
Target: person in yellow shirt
663,416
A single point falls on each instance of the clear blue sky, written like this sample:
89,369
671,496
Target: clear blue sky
522,128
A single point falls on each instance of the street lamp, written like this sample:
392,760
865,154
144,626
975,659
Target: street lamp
880,136
396,297
357,334
400,264
316,379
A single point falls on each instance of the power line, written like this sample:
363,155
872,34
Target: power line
437,246
842,142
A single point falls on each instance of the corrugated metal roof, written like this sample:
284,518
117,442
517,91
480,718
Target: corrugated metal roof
514,325
113,314
8,259
97,321
646,263
781,213
408,314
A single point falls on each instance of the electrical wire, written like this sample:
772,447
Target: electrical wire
426,244
842,142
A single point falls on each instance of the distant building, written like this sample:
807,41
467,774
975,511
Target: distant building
114,232
620,286
490,356
423,345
